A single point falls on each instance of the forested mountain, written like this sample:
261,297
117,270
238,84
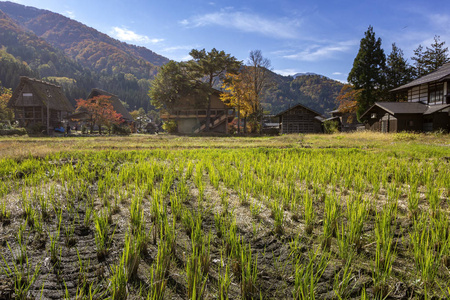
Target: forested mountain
314,91
46,45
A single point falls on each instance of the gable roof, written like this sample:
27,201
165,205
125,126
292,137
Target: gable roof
438,75
297,105
49,94
399,108
407,108
115,101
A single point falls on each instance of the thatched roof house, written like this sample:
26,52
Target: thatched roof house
115,101
37,103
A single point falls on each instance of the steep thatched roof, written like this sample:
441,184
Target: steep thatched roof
299,105
118,107
48,94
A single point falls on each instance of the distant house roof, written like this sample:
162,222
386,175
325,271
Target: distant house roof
435,76
407,108
297,105
49,94
118,106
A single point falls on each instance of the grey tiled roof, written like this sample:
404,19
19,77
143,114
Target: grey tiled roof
437,75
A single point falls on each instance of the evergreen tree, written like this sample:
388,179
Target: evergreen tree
398,72
367,74
435,56
211,67
419,62
431,59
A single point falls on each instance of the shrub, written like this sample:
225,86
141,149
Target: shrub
170,126
120,130
331,126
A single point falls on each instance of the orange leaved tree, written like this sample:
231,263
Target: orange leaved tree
239,94
101,112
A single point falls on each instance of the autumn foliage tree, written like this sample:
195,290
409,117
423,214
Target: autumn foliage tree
6,114
348,101
239,93
101,112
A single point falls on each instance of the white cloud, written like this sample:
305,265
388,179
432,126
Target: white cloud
287,72
281,28
319,52
337,73
127,35
178,48
69,14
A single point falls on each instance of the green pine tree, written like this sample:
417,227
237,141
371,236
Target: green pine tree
398,72
367,73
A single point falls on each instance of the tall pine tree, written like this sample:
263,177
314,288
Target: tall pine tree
398,72
431,59
367,74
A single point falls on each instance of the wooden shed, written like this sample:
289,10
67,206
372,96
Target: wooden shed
37,103
300,119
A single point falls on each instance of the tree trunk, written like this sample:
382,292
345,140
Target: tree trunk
208,114
245,124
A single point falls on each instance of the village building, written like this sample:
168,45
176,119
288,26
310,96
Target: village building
190,116
427,107
81,114
300,119
347,121
39,104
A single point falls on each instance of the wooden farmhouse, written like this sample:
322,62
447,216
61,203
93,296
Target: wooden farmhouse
300,119
427,108
190,116
39,103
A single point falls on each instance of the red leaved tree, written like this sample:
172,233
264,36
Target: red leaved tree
101,112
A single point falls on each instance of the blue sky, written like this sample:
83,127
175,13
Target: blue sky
297,36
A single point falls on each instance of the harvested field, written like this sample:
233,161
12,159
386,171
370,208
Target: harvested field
345,216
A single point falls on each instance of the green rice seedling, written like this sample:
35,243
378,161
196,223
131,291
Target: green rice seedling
159,269
332,213
413,200
136,215
357,210
249,273
102,236
385,249
55,249
83,269
433,196
278,216
309,214
346,251
5,213
118,282
22,273
224,278
307,275
427,259
176,205
194,275
69,231
342,281
188,221
183,190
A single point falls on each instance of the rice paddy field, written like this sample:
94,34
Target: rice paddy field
343,216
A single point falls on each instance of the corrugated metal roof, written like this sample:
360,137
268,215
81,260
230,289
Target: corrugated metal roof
437,75
403,107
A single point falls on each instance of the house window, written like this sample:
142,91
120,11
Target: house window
436,93
411,123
